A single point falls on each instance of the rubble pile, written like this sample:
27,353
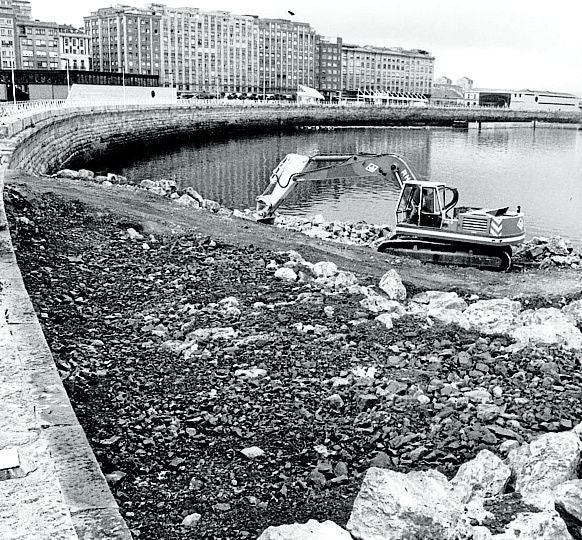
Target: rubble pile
535,493
544,252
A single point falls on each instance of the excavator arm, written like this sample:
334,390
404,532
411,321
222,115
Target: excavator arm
296,168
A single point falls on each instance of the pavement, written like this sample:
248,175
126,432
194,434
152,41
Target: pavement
51,486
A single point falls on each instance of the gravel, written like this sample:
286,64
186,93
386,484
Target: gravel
157,368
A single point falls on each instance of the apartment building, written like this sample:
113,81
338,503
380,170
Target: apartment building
11,11
330,67
74,49
367,68
37,45
214,51
123,38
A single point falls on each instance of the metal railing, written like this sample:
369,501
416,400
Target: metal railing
13,111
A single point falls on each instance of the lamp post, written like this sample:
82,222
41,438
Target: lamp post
13,83
68,78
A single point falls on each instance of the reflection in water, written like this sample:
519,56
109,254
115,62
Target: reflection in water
539,169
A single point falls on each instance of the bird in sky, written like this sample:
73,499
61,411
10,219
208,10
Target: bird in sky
290,12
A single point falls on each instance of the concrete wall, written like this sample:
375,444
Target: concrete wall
48,141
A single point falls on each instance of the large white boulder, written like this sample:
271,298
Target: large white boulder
535,526
574,311
396,505
325,269
392,285
547,461
554,331
440,299
484,476
377,303
312,530
285,274
542,316
568,498
496,316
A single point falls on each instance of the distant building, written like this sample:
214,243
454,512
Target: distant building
37,45
443,80
200,51
465,83
125,38
11,11
537,100
329,62
370,69
487,97
447,95
74,48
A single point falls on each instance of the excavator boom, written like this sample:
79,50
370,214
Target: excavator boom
296,168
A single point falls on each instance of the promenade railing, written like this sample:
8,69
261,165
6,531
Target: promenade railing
13,111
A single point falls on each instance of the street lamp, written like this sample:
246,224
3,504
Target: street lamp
68,78
13,82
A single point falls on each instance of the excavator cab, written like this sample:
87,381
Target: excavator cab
425,204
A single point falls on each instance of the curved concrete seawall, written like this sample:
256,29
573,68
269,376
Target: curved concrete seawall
54,487
47,141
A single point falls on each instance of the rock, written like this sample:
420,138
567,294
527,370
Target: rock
574,311
543,315
496,316
535,526
552,332
557,246
186,200
252,452
213,206
286,274
484,476
195,195
147,184
446,315
381,460
439,299
191,520
325,269
318,219
386,320
487,412
250,373
67,173
312,530
85,174
396,505
106,183
392,285
377,303
343,280
568,500
479,395
547,461
133,234
115,477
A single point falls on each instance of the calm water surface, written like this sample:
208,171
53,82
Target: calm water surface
541,170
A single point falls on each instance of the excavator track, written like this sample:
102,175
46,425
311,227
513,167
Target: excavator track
484,257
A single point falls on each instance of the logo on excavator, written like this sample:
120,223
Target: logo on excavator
520,224
406,175
372,168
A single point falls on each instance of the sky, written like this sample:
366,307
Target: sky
510,44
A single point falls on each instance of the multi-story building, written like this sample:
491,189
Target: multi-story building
11,11
125,39
214,51
330,67
379,69
37,45
288,54
74,48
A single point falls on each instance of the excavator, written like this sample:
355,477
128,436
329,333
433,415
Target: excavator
429,224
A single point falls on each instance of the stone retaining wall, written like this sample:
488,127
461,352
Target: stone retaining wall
50,140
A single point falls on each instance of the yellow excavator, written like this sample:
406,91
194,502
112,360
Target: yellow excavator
429,224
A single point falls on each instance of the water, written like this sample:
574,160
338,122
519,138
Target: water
541,170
